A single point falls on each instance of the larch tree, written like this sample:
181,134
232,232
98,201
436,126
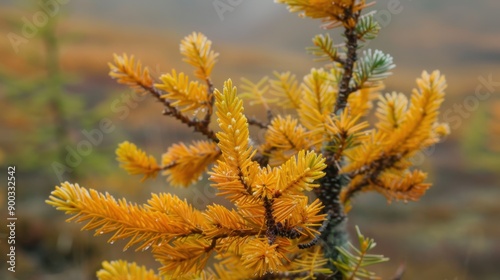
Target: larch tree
326,148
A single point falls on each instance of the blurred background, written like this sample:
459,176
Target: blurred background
55,93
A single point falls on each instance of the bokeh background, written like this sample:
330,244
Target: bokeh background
54,92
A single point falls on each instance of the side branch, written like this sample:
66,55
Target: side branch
257,123
275,229
375,169
321,231
270,222
199,126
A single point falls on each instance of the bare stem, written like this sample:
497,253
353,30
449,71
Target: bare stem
352,46
199,126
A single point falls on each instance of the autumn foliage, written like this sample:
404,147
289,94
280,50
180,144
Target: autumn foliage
327,147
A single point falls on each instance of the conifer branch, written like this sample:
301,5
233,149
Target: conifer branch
415,133
284,138
298,173
371,174
360,101
367,27
234,173
272,231
185,256
325,50
371,69
391,111
286,88
128,221
196,49
255,92
185,165
135,161
131,74
223,223
352,262
321,230
199,126
122,270
317,103
346,133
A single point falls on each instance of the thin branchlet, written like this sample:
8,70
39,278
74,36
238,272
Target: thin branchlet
371,173
271,229
320,230
199,126
258,123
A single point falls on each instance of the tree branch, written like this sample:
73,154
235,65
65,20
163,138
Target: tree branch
376,168
199,126
352,46
257,123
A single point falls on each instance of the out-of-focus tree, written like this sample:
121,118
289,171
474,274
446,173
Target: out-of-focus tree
43,118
